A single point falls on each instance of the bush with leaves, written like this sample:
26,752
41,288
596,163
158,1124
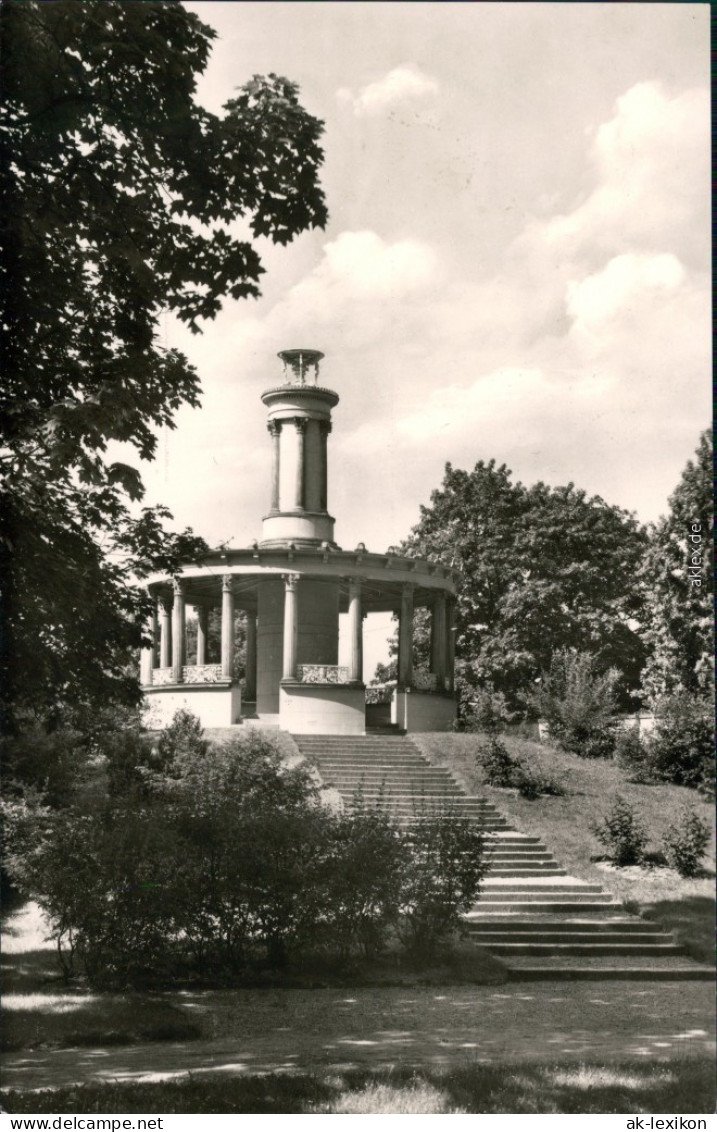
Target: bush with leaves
213,862
499,766
482,709
633,756
218,859
578,704
685,842
622,833
503,770
100,874
441,871
49,762
362,882
682,744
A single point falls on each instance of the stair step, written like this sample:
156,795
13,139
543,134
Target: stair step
553,972
507,938
586,949
520,863
497,871
546,928
554,905
572,886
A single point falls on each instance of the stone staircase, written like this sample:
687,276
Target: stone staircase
542,922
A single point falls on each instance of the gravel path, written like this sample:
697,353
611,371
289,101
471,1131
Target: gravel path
252,1032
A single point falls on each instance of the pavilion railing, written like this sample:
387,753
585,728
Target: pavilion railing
202,674
322,674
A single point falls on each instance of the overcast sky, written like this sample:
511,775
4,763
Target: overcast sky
516,265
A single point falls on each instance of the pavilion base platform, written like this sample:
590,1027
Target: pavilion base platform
322,709
216,705
414,711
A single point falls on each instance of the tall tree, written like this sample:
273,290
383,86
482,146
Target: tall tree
122,198
543,569
678,580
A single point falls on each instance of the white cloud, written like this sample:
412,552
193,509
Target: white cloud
365,265
404,83
626,283
651,163
361,285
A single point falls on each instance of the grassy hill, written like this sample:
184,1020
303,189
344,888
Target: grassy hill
564,823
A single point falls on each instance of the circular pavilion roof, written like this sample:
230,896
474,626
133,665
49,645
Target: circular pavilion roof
383,576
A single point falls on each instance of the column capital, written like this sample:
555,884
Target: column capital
273,427
301,423
179,586
325,427
290,580
166,600
356,582
227,583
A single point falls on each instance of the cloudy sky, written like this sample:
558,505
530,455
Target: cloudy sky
516,264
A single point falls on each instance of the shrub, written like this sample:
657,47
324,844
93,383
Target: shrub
503,769
483,709
362,882
685,842
578,704
534,784
622,834
49,762
442,866
499,766
682,744
632,755
228,861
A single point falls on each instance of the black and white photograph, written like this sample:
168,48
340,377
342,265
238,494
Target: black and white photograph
356,522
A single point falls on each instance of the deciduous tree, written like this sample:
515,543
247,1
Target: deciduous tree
543,569
122,198
678,581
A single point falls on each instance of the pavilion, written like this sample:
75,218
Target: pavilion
292,585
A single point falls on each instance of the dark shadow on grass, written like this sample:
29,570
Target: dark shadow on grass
67,1016
622,1085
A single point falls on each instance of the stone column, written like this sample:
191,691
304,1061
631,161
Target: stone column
439,640
301,423
165,629
250,679
450,643
147,662
355,630
202,632
227,627
324,430
178,624
290,626
405,638
274,428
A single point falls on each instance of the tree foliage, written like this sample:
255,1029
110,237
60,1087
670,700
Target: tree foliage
679,586
122,198
578,704
543,569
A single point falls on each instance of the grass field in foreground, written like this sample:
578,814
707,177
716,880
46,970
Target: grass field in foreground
625,1085
564,824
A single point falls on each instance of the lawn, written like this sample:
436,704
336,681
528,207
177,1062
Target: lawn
564,824
416,1046
624,1085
